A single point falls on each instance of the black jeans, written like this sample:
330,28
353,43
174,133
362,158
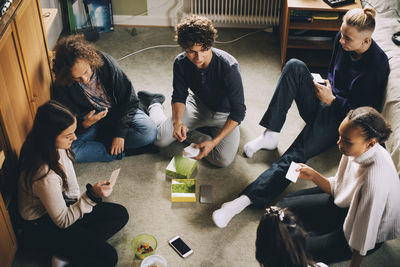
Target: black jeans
84,242
323,221
319,134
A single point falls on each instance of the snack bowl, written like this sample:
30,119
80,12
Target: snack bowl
144,245
154,261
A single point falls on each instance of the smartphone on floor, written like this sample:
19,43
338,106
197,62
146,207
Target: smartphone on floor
206,195
180,247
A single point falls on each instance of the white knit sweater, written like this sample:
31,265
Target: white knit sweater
370,187
47,196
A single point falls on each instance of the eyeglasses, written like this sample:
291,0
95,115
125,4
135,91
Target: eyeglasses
274,210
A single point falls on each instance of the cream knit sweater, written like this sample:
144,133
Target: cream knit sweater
370,187
47,196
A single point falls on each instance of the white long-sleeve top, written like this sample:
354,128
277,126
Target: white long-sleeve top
370,187
47,196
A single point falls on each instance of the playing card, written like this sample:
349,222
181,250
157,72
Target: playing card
114,176
292,174
190,151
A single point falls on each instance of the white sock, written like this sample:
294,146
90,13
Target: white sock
156,113
58,262
224,215
267,140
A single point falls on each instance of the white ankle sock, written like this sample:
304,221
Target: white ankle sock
156,113
267,140
224,215
58,262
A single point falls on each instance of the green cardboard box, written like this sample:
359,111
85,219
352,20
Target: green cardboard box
180,167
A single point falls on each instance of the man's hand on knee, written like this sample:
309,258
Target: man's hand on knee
117,146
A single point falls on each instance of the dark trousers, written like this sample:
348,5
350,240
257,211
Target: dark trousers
84,242
319,134
323,222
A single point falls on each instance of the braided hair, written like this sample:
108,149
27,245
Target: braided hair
371,122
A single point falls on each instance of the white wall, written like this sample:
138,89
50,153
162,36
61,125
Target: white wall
56,28
159,13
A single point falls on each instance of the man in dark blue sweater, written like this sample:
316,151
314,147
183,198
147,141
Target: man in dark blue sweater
215,99
357,77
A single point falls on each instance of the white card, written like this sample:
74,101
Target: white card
190,151
114,176
317,77
292,174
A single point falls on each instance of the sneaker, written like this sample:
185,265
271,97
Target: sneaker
147,98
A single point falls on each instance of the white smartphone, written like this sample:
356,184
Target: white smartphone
317,77
180,247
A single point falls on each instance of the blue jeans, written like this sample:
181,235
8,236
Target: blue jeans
141,132
319,134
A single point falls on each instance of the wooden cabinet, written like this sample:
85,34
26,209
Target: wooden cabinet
33,52
8,242
25,81
313,49
15,110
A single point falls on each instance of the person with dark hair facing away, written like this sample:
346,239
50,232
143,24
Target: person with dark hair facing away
55,216
214,103
351,214
281,240
353,81
93,86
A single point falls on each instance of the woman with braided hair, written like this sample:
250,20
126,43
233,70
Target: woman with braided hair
351,214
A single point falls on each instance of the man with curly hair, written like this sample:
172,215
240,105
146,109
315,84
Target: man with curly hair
94,87
215,102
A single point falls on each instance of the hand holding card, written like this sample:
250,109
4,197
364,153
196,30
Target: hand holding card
190,151
292,174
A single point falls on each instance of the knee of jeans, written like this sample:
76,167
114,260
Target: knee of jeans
151,133
294,64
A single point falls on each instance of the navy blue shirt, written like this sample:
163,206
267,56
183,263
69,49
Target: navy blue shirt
360,82
219,86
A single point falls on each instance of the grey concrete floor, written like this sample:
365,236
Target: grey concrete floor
142,185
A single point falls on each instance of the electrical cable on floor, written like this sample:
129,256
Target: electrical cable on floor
237,39
163,46
144,49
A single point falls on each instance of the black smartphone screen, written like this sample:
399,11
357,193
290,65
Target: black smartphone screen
180,246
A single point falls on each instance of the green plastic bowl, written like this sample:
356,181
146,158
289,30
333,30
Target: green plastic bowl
143,240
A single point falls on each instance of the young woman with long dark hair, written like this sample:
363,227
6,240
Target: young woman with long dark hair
55,215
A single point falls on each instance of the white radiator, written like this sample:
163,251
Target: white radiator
231,12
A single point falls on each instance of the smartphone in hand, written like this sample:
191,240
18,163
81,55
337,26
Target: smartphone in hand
317,77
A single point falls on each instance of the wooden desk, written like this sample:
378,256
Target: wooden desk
311,49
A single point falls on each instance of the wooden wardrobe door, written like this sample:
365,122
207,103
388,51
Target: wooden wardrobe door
14,105
28,25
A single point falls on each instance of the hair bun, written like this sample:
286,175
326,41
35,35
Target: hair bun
369,12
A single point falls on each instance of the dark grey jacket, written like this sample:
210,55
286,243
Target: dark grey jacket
118,87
